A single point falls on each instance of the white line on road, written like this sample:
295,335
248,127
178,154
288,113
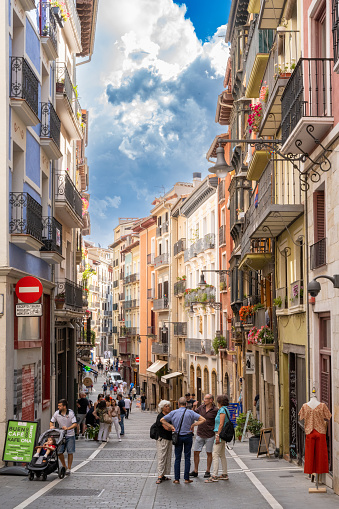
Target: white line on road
51,485
255,481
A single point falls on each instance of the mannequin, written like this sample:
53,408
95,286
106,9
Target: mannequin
315,414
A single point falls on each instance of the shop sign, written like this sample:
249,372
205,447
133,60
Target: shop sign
29,310
19,441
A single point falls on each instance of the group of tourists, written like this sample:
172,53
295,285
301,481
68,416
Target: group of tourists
177,427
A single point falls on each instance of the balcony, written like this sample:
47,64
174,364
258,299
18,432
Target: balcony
25,224
199,346
283,57
160,304
257,51
131,278
50,131
116,283
48,30
161,261
125,346
67,104
69,295
115,307
165,227
132,331
318,254
179,247
93,288
72,27
150,259
203,244
180,329
222,235
179,288
150,293
281,301
221,190
68,203
306,105
115,329
297,296
130,304
255,253
270,13
24,91
107,312
160,348
275,204
121,296
204,296
51,251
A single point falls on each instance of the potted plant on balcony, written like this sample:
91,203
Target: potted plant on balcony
245,313
265,336
277,302
254,426
254,118
218,342
59,300
60,12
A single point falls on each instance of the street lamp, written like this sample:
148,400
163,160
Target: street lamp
221,168
314,287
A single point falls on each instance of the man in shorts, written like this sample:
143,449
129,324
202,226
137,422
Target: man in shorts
205,434
66,420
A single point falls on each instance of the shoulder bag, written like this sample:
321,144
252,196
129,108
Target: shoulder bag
175,435
107,418
227,432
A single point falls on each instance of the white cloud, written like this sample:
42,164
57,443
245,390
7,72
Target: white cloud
100,207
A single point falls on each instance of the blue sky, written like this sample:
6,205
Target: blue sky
151,90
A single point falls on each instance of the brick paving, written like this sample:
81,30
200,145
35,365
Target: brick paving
123,475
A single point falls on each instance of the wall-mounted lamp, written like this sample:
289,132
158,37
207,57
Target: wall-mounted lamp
314,287
221,168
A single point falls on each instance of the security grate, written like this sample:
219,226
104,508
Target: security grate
73,492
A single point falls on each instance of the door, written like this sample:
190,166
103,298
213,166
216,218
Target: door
325,376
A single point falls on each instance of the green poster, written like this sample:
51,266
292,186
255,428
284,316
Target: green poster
20,441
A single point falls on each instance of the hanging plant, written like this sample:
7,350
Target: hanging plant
245,312
254,118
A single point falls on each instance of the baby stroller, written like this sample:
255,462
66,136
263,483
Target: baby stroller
50,464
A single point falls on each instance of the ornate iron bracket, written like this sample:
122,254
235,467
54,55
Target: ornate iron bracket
267,228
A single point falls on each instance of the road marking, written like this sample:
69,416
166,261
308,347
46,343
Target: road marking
255,481
51,485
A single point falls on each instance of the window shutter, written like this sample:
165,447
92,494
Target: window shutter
319,216
159,290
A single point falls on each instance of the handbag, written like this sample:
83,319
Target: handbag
175,434
107,418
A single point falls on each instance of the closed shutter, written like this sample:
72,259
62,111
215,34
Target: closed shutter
319,216
165,288
159,290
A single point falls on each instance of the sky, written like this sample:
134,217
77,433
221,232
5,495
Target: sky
151,89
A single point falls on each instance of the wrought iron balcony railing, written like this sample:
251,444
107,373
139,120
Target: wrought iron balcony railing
115,329
115,306
307,94
64,85
50,123
48,24
160,348
199,346
161,260
180,328
318,254
159,304
24,83
335,31
179,246
51,235
130,304
203,296
179,287
70,294
26,215
201,245
132,331
66,190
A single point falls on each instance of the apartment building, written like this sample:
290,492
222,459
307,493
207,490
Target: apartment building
41,204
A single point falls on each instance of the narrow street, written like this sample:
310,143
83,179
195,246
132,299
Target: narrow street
123,474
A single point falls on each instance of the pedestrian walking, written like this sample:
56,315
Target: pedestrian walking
134,392
121,404
219,445
82,405
183,421
164,443
143,402
111,388
102,413
115,413
104,388
66,420
205,434
127,406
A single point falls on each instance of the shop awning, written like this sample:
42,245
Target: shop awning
156,366
165,378
90,370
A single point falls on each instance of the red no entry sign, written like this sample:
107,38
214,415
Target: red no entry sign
28,289
137,360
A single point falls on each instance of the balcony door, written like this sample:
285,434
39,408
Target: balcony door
325,376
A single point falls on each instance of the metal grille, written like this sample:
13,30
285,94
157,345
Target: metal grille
66,190
318,254
24,83
48,25
50,123
51,235
26,215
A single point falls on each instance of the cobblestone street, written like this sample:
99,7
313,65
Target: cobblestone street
123,474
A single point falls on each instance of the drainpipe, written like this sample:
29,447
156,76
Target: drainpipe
309,385
52,319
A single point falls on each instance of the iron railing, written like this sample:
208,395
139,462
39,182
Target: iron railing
335,28
48,24
64,84
308,93
115,306
260,42
150,293
205,295
158,231
160,348
50,123
66,191
51,235
26,215
131,278
201,245
179,287
180,329
132,331
130,304
318,254
281,295
179,246
121,296
115,329
159,304
24,83
71,293
71,8
199,346
116,283
297,293
150,259
160,260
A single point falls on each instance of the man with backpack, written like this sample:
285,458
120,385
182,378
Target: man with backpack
205,434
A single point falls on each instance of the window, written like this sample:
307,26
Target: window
318,250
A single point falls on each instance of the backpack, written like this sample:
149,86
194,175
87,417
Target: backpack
153,432
227,432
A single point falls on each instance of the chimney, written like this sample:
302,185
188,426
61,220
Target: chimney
196,179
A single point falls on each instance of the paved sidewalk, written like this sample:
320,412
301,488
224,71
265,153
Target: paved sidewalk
122,475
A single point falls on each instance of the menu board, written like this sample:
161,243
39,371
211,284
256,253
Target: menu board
19,441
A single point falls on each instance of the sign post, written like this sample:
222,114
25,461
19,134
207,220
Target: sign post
19,446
